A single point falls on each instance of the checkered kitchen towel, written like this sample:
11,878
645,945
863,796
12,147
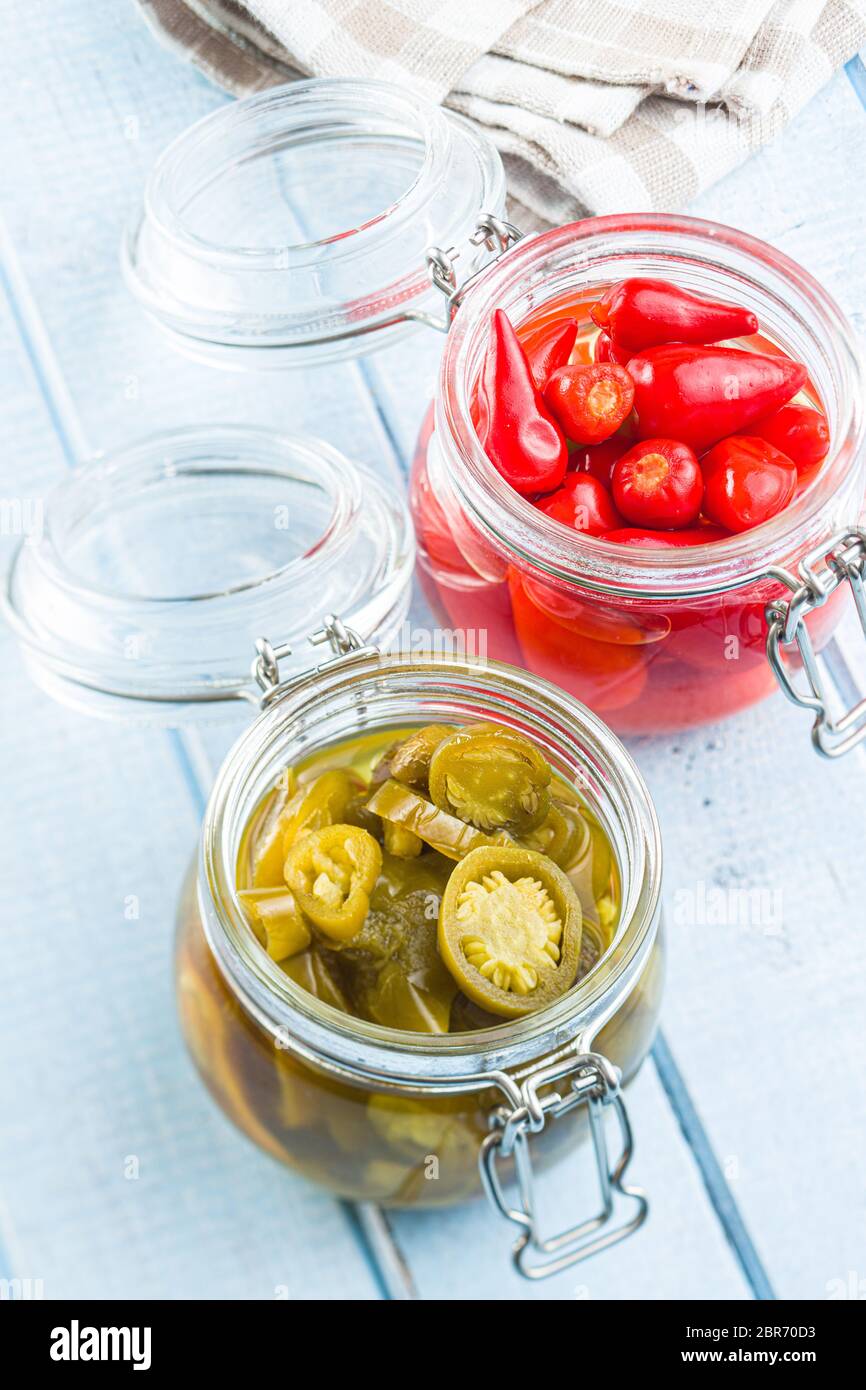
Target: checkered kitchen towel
596,105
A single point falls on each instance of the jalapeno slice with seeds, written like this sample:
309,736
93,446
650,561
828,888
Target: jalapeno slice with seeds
563,835
510,930
332,873
492,777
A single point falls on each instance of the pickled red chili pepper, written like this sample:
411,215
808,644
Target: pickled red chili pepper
550,350
598,459
582,503
668,540
798,431
641,313
658,483
747,482
604,350
520,437
701,394
590,403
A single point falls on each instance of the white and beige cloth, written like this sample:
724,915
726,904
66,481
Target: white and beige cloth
597,105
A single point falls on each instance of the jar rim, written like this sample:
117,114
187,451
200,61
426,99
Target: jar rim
512,523
366,1050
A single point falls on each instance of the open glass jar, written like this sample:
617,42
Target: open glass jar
326,218
403,1118
164,629
655,640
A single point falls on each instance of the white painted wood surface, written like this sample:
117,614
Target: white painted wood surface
763,1028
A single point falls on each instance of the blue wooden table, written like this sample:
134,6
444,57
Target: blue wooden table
117,1175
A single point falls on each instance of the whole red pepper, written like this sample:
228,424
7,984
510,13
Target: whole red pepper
701,394
668,540
583,503
747,482
641,313
551,349
603,350
599,459
520,437
798,431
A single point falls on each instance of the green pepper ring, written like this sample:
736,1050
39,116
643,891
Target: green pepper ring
514,863
460,763
338,914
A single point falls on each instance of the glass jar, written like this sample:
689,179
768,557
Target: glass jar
328,218
409,1119
291,227
655,641
158,567
124,609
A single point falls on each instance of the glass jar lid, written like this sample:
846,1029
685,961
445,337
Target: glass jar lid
156,569
293,225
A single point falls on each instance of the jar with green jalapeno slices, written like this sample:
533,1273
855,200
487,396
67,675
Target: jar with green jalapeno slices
404,1018
420,947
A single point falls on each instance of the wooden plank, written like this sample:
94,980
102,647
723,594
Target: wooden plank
765,1009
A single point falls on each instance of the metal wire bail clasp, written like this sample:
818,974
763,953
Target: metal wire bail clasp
343,641
837,561
595,1083
491,232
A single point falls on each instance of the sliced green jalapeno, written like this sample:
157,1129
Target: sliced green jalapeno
332,873
410,760
323,801
491,777
510,929
277,921
563,835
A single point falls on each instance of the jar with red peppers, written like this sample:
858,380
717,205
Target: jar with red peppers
329,218
656,628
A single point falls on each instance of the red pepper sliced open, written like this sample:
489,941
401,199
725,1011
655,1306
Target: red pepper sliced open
590,403
701,394
658,483
642,313
520,436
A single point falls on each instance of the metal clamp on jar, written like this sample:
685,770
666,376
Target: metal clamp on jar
160,631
